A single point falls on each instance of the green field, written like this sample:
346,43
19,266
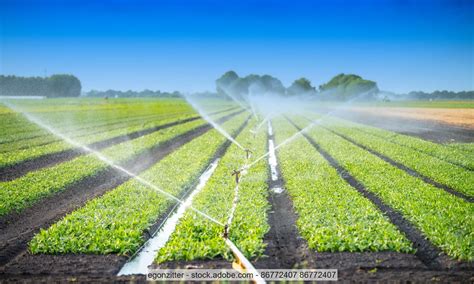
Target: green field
430,185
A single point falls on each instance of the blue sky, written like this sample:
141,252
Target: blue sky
186,45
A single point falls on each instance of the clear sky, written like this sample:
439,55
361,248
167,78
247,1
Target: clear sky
186,45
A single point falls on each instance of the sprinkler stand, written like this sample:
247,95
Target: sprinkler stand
236,173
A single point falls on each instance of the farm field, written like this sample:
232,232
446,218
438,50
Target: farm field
86,184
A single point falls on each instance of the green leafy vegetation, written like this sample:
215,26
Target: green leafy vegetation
332,216
17,156
443,152
115,222
44,182
446,220
71,115
198,238
443,172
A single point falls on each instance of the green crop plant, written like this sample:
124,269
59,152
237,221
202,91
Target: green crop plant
332,216
115,222
445,219
456,177
47,181
198,238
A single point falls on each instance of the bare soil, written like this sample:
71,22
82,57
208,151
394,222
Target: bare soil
440,130
460,117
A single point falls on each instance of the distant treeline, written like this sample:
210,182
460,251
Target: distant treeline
341,86
61,85
131,94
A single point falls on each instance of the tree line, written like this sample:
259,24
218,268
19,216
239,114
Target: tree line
342,87
61,85
441,95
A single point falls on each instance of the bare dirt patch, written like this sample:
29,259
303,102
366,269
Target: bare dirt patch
461,117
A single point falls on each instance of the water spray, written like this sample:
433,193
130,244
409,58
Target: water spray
103,158
240,264
204,115
307,128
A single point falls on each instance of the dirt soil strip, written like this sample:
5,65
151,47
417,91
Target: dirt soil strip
434,131
94,266
405,168
15,171
18,228
286,248
428,253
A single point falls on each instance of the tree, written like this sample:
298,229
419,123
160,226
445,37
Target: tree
345,86
226,81
230,83
301,86
54,86
64,86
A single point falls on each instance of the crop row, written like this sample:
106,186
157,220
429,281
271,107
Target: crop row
446,220
333,216
440,151
197,238
456,177
18,156
465,147
115,222
63,121
118,125
20,193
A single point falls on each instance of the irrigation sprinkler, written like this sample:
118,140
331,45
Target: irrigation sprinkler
236,173
225,235
248,153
